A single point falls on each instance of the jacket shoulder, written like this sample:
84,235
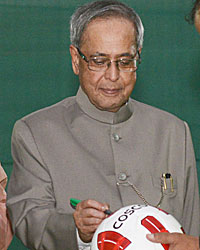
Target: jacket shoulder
153,115
50,112
47,117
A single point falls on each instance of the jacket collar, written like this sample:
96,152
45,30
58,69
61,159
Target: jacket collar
123,114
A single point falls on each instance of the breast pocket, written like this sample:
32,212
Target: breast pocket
167,186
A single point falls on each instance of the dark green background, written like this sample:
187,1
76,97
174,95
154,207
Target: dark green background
35,67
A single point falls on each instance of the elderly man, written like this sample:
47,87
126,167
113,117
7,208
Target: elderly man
100,145
178,241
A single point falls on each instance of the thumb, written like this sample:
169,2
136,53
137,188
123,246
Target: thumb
163,238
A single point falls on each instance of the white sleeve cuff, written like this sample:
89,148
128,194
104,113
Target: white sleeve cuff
82,245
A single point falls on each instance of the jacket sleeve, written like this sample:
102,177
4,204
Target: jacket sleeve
191,212
31,201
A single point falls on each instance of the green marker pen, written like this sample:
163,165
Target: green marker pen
74,202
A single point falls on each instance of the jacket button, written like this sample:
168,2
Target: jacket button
122,176
116,137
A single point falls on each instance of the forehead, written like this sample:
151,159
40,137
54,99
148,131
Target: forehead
109,35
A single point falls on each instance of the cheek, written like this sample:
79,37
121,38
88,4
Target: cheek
89,80
129,85
130,81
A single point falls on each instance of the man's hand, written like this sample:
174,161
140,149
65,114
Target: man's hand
88,215
176,241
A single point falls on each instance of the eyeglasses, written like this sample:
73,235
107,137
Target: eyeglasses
102,63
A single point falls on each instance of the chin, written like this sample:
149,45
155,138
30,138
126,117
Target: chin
108,104
110,108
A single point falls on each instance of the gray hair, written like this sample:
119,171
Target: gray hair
102,9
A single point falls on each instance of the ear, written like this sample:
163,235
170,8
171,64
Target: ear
75,59
139,51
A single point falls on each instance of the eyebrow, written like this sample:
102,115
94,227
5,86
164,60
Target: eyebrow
106,55
99,54
126,54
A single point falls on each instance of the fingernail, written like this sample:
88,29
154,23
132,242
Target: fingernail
150,236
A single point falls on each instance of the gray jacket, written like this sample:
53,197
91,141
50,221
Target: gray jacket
72,149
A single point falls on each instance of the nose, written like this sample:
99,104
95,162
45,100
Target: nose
112,73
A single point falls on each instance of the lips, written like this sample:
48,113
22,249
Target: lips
109,91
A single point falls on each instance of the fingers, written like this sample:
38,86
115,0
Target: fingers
88,215
86,204
177,241
164,238
91,212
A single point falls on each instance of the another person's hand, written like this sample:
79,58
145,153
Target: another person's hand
176,241
88,215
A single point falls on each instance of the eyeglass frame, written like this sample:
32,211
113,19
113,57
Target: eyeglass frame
110,61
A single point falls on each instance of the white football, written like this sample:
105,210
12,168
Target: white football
128,226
